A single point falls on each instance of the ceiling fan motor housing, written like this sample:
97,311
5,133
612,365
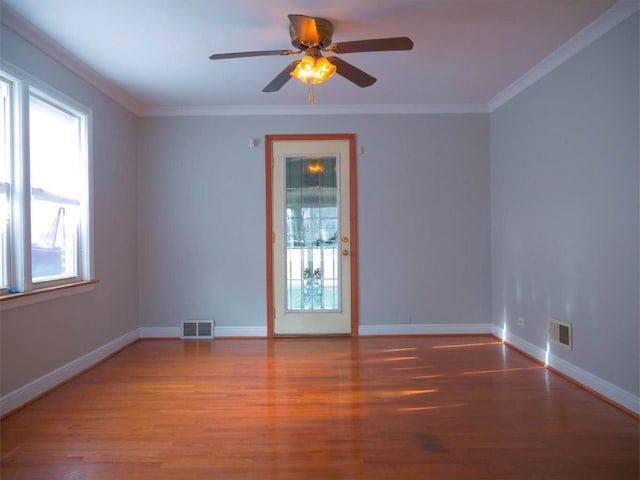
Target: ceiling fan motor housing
325,33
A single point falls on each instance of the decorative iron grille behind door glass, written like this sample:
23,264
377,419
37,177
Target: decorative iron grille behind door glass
312,234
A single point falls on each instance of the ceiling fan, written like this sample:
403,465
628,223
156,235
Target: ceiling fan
312,36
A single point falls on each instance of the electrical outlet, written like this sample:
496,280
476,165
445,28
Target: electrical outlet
521,321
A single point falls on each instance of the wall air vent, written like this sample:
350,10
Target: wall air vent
201,329
560,333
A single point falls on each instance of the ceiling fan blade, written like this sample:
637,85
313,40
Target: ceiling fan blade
260,53
351,73
372,45
306,29
282,78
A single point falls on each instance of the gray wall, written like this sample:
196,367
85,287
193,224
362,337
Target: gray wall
564,185
37,339
424,218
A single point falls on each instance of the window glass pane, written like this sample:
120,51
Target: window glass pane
55,147
5,183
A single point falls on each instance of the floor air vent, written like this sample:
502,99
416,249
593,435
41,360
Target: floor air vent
197,329
560,333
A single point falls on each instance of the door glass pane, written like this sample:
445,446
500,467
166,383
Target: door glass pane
312,271
55,166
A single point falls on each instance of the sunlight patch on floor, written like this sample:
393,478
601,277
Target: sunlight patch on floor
399,359
417,392
432,407
389,350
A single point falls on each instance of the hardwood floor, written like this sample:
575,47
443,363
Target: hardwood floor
334,408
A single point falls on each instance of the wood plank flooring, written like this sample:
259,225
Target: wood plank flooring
333,408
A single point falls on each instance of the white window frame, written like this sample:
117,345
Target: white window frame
22,86
5,188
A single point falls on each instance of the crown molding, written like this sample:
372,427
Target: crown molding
23,28
615,15
233,110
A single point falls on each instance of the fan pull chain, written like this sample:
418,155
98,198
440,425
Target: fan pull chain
310,98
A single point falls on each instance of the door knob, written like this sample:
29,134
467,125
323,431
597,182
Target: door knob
345,252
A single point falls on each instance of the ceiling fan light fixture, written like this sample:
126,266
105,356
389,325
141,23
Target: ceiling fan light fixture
313,70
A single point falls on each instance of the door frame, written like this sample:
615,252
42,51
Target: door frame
353,220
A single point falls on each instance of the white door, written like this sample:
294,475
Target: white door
312,244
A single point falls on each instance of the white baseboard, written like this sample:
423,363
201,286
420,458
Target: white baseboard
218,331
159,332
241,331
32,390
425,329
583,377
399,329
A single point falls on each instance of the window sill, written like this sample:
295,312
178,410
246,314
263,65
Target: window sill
16,300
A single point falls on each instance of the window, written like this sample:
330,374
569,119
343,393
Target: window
44,186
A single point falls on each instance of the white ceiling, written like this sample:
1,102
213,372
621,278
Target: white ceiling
154,53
